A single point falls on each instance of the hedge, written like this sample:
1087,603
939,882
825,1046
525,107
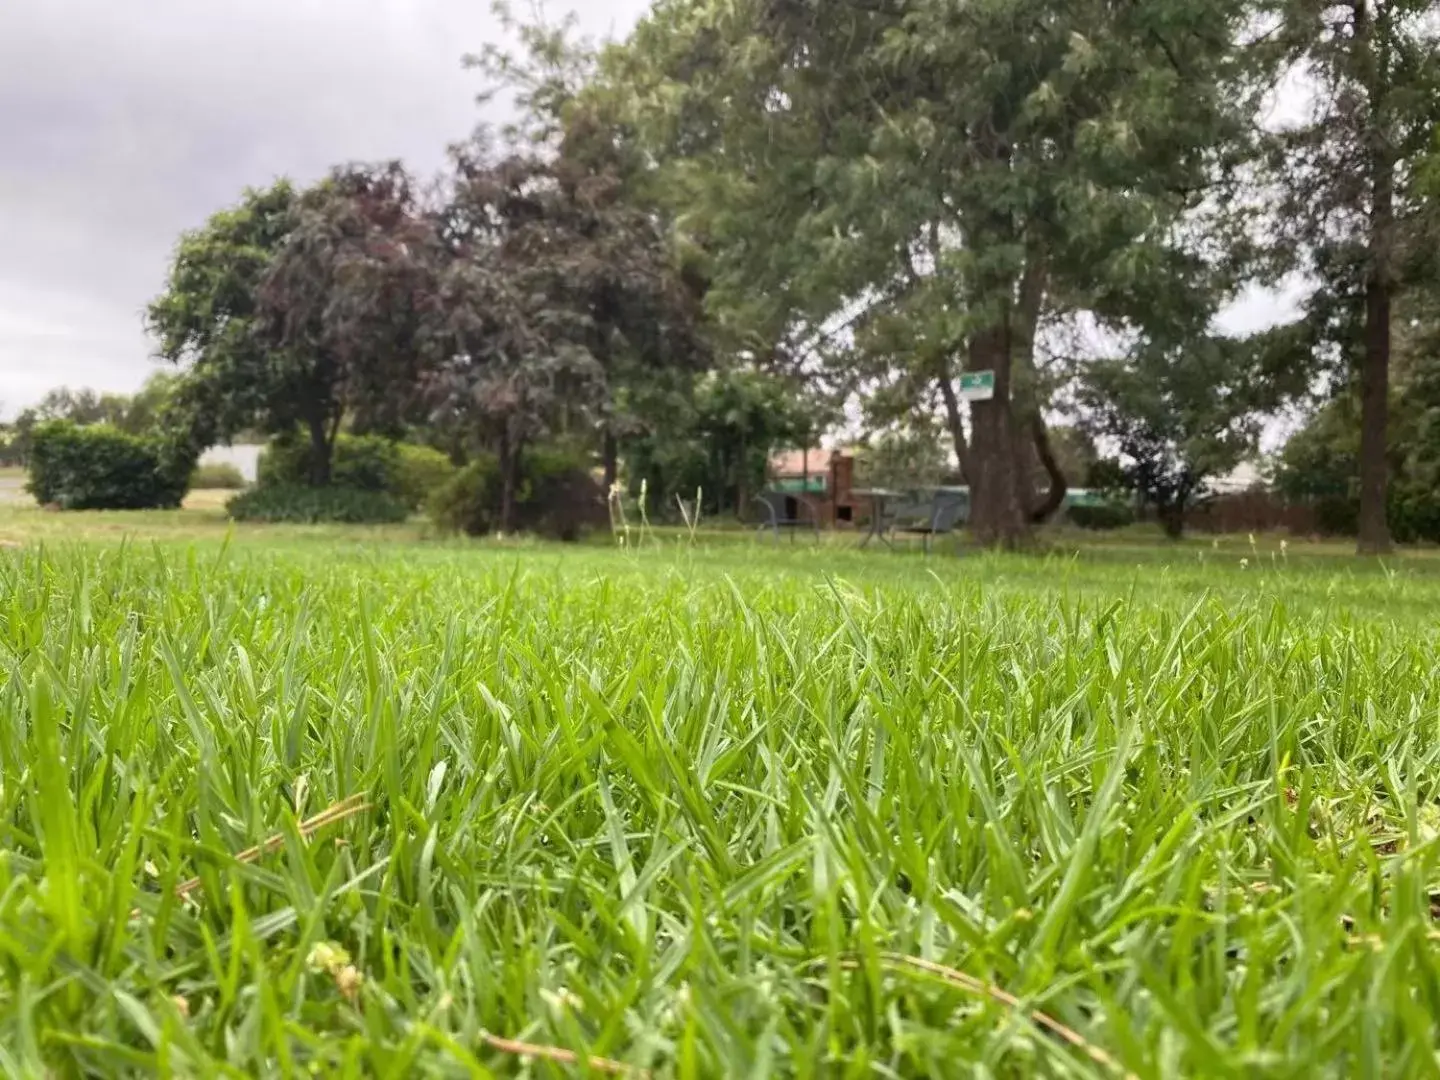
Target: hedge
97,467
1101,516
217,476
298,504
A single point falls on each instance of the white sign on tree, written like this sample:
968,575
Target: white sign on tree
977,385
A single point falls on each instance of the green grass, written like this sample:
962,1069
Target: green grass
689,810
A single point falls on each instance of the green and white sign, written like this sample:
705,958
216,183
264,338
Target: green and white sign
815,482
977,385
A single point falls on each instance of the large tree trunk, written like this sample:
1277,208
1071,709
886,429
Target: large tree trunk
1374,531
998,514
321,445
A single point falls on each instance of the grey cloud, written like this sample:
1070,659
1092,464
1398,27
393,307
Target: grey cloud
122,124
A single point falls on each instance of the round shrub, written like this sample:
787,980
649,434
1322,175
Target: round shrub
297,503
556,496
420,471
98,467
217,476
469,501
559,497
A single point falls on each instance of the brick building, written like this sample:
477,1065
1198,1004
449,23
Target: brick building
821,479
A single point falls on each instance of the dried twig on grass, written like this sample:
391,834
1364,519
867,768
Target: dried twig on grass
955,977
345,808
559,1055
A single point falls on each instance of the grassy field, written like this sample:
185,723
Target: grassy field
359,803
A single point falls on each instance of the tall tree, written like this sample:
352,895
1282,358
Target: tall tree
204,321
570,122
552,281
344,299
1181,414
1350,204
996,159
298,309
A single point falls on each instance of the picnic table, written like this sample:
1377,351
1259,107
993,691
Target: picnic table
879,499
923,513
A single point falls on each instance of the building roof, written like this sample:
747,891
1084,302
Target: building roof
798,462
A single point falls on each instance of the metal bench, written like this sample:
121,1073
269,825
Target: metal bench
787,511
930,517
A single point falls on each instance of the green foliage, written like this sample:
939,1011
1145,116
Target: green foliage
1181,414
418,473
1322,459
311,505
557,497
296,309
720,437
890,190
469,501
217,476
205,320
365,462
99,467
905,455
1319,465
144,413
1101,516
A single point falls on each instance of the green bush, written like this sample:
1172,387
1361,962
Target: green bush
308,505
1337,515
419,473
97,467
1101,516
1414,513
1412,509
365,462
557,497
217,476
470,500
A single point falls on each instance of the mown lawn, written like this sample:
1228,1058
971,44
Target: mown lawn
362,803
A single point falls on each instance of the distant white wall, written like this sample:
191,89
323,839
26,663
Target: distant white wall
246,458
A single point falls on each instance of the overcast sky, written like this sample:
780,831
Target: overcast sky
122,124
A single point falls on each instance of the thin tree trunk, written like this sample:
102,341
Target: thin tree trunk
509,467
1374,528
956,422
1054,497
1374,532
1172,519
610,455
742,485
321,444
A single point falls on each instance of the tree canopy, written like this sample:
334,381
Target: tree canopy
810,204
